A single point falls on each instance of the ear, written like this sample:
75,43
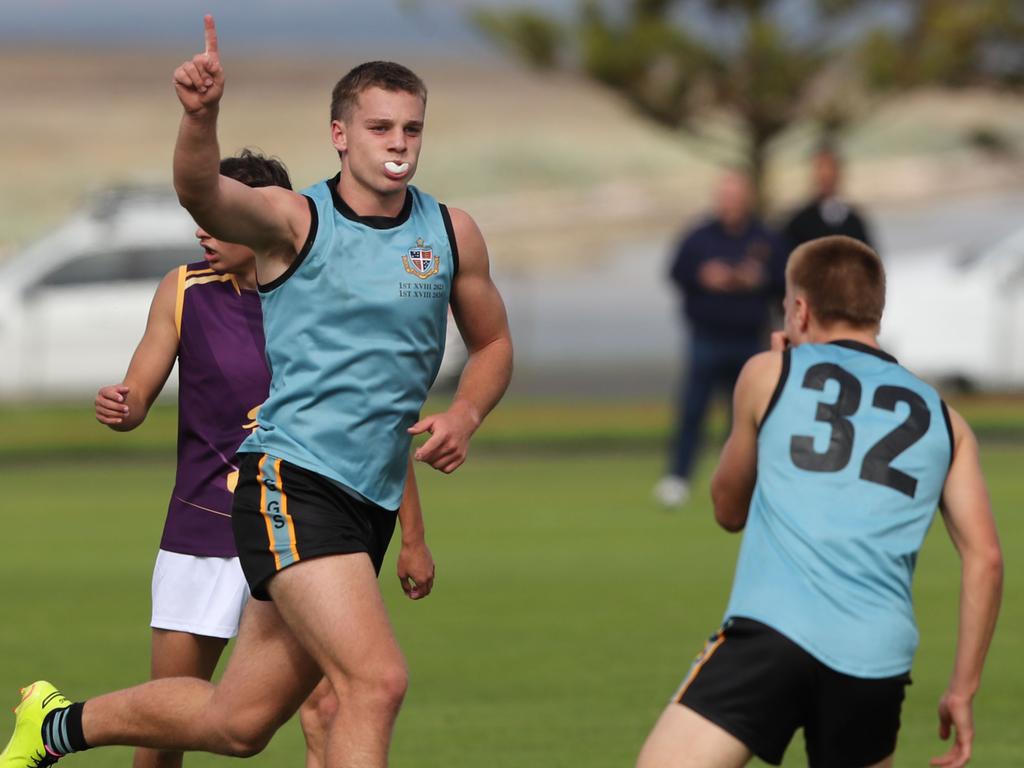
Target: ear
339,135
803,313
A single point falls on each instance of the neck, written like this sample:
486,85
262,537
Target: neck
367,202
816,334
735,227
246,280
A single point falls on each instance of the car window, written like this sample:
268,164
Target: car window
154,263
104,267
139,264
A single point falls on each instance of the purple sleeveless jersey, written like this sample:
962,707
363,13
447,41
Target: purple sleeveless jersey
222,381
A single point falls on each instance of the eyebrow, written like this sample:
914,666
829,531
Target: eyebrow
387,121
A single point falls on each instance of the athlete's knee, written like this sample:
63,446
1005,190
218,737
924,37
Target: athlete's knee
382,687
245,737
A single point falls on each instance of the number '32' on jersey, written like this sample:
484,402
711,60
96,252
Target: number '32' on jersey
853,454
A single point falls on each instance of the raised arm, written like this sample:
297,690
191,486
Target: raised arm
480,315
124,406
272,221
968,517
732,485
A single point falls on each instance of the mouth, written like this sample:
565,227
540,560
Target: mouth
208,253
395,170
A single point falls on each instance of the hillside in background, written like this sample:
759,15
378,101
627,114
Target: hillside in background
551,167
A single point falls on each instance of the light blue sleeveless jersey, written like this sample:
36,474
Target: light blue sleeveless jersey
852,458
355,331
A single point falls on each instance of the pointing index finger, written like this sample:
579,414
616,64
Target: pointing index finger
210,33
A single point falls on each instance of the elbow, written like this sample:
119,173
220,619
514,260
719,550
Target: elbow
729,514
994,567
189,197
730,521
986,568
197,194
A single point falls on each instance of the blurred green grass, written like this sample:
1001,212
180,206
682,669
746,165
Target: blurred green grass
567,605
33,432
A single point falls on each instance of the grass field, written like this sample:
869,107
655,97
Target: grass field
567,606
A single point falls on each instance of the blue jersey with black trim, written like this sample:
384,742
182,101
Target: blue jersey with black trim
355,332
852,458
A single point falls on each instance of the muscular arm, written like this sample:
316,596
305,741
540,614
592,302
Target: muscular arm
732,484
480,314
415,563
124,406
272,221
968,517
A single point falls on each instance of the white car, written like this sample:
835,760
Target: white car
75,302
958,319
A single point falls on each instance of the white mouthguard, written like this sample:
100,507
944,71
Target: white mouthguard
396,167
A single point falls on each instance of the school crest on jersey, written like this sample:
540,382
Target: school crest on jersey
421,260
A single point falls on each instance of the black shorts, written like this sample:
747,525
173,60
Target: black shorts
760,686
283,514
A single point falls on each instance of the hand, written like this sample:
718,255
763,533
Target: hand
449,437
716,275
779,341
199,82
416,569
111,405
955,713
749,274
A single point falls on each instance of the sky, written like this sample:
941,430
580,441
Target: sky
432,27
437,25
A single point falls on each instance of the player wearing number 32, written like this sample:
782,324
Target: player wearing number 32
837,460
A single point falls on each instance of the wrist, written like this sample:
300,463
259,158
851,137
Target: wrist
204,116
413,539
962,689
469,411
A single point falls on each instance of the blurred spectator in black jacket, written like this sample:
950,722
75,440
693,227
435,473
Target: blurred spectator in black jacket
729,269
827,213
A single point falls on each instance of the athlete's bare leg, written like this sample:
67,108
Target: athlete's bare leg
334,604
268,676
683,739
316,714
178,654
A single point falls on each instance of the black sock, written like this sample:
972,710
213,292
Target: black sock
62,730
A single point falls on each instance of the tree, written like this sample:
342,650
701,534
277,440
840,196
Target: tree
767,64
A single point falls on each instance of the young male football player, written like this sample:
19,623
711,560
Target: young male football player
206,315
355,278
837,460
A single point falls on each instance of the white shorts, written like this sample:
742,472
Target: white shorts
199,595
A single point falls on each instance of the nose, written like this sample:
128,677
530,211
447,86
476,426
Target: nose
201,233
397,142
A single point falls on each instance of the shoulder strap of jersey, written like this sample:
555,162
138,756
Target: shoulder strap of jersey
179,298
783,375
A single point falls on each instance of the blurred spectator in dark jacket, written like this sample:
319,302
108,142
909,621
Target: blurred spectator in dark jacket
827,213
729,270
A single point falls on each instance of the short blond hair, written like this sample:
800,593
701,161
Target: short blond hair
842,278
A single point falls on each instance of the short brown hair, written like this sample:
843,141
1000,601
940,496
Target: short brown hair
386,75
843,279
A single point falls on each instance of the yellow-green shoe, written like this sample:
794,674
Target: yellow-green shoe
26,748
